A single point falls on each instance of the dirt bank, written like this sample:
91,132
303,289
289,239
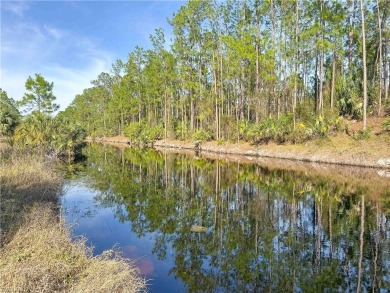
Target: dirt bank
342,149
357,154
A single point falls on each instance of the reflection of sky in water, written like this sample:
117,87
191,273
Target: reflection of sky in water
264,231
104,231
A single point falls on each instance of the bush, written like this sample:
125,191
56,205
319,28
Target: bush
142,133
274,129
56,136
181,131
348,98
229,127
321,128
362,134
282,130
387,107
386,124
301,134
133,131
201,135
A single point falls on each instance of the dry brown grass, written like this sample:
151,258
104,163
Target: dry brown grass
37,253
42,258
26,179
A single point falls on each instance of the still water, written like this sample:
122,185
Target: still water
194,224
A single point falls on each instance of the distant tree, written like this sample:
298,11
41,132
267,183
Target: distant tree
40,95
9,114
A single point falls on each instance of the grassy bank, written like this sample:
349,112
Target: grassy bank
37,252
27,179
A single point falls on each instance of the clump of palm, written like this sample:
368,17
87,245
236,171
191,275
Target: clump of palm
7,123
65,137
55,135
34,131
9,114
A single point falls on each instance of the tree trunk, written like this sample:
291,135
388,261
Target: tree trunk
316,86
386,83
296,59
364,68
216,97
333,80
273,90
321,96
380,60
351,22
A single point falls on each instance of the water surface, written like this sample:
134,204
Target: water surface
195,224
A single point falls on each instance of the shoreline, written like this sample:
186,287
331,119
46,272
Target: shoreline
38,252
336,151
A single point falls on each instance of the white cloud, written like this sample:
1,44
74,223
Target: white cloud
69,60
16,7
54,32
23,41
68,82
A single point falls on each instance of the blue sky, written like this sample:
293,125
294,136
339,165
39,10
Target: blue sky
71,42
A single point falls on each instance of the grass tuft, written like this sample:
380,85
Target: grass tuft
37,253
42,258
26,179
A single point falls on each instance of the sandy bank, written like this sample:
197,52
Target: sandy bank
341,150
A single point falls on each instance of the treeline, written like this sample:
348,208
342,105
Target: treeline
38,129
254,70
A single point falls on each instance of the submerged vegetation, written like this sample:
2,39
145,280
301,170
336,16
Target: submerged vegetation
37,253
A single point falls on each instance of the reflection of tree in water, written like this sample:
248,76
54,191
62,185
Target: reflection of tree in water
268,230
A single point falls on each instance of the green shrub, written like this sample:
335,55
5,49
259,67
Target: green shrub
57,135
201,135
278,130
229,127
387,107
181,131
362,134
304,112
348,98
133,131
386,124
340,124
300,134
220,141
321,128
141,132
